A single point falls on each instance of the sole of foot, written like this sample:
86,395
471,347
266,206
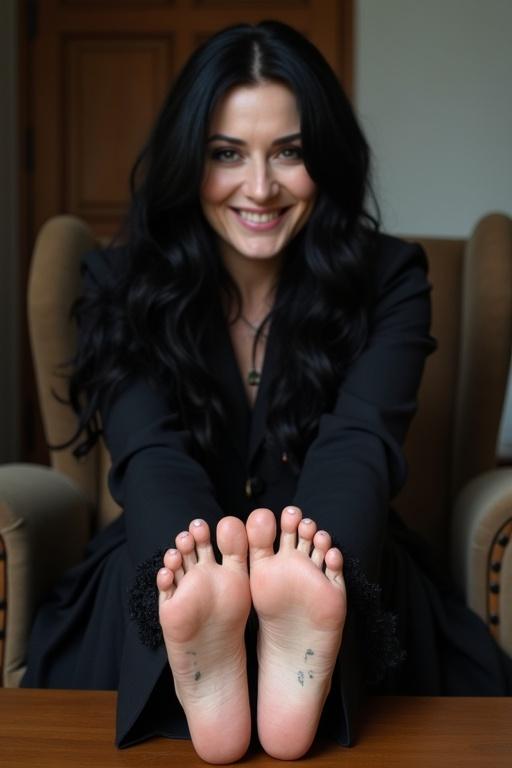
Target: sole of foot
203,608
299,596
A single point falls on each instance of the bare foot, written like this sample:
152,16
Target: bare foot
203,612
301,613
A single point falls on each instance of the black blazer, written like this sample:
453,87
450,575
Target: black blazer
352,469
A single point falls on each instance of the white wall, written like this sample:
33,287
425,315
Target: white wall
9,292
434,93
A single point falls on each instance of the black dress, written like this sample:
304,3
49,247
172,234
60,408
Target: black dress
405,632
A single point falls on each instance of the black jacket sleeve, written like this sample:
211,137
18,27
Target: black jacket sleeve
149,452
356,465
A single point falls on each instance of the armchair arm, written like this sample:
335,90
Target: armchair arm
44,528
482,550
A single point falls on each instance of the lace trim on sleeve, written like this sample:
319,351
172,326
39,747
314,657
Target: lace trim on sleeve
377,627
143,600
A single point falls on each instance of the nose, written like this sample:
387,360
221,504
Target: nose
260,184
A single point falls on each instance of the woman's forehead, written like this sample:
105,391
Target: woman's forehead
266,106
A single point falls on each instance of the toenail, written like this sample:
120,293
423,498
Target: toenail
183,535
197,522
323,533
172,552
291,510
163,571
307,520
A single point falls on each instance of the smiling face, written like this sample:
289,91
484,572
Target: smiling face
256,192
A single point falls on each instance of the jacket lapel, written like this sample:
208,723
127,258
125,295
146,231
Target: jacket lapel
260,411
246,428
224,368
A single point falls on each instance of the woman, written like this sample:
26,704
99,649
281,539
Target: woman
254,346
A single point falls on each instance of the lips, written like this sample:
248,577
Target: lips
260,219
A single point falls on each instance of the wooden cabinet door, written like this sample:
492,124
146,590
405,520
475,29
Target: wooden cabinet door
94,73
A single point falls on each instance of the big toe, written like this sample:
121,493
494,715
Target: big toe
261,533
232,542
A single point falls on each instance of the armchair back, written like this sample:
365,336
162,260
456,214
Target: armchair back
54,284
453,437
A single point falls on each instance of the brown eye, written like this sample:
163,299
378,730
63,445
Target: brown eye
291,153
225,155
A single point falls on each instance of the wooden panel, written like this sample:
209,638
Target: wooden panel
328,24
237,4
114,89
92,76
75,38
75,729
87,3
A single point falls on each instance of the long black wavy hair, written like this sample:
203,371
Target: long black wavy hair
154,319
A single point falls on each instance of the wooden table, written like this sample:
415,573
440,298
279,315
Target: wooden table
75,729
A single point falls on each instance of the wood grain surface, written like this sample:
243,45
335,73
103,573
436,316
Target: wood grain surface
75,729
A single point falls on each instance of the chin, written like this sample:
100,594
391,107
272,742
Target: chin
263,252
262,256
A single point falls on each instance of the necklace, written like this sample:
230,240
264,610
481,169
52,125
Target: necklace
254,328
253,376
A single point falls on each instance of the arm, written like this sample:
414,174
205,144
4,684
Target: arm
153,476
355,465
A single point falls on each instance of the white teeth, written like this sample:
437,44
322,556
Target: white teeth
258,218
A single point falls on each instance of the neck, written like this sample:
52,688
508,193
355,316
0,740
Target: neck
256,281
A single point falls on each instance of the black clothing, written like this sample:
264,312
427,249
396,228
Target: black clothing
83,637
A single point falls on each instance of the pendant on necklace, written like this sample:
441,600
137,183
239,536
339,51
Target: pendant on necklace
253,377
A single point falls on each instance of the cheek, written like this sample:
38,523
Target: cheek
216,186
304,187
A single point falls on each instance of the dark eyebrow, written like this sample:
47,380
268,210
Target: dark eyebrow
287,139
240,143
227,139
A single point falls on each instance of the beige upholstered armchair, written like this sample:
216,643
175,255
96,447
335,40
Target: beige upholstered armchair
457,495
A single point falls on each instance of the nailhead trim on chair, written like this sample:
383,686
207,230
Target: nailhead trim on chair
3,606
497,552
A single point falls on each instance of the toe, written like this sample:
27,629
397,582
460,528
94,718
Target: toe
232,542
321,542
165,583
261,533
290,519
201,533
307,529
174,562
187,546
334,566
172,559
